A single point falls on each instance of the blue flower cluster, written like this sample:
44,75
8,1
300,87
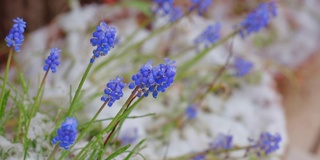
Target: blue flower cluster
164,6
267,143
200,5
199,157
258,18
104,38
221,142
175,13
210,35
242,66
67,133
130,136
191,112
154,79
52,61
113,91
15,36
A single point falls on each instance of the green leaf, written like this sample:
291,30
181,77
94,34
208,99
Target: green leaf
25,85
118,152
5,100
135,149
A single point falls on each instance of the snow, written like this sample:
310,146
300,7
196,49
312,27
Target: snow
250,109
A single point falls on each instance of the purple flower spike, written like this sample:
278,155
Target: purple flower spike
15,36
67,133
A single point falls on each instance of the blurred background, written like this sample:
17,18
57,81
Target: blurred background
297,78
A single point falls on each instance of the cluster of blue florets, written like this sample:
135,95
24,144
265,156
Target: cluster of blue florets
200,157
209,36
242,67
163,6
191,112
221,142
258,18
113,91
15,36
200,5
175,13
52,61
104,38
67,133
267,143
154,79
130,136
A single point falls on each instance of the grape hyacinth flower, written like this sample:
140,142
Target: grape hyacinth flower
258,18
104,38
267,143
175,14
52,61
200,5
67,133
191,112
242,67
209,36
113,91
200,157
221,142
130,136
164,76
154,79
163,6
15,36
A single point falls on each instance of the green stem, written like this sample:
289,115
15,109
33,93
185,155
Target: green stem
55,150
3,89
187,65
35,105
218,74
76,96
112,124
90,123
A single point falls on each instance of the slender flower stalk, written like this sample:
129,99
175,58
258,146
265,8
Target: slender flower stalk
14,39
53,153
3,89
112,92
103,38
50,64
